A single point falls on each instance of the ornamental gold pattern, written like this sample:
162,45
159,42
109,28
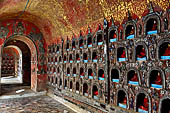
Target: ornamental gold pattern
62,18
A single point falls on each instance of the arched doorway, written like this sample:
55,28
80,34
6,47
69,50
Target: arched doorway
29,59
11,69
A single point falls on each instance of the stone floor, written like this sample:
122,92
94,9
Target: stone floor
11,89
40,104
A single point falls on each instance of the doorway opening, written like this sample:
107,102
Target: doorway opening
19,59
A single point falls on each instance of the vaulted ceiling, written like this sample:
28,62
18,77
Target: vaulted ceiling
58,18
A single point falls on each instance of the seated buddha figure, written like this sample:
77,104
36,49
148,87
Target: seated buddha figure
95,93
82,74
123,55
78,58
154,27
158,79
145,104
135,77
102,75
142,53
167,51
114,36
124,100
131,32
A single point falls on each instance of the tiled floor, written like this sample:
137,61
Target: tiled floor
41,104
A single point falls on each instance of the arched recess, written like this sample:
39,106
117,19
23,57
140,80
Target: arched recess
131,76
138,100
130,30
163,49
115,74
101,75
122,99
156,71
141,52
164,105
82,73
85,89
121,54
17,69
94,56
152,24
33,51
113,34
95,92
90,73
77,87
16,27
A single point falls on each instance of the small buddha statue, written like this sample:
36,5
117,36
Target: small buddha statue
158,79
82,74
78,58
95,92
142,53
135,77
124,100
123,54
132,31
114,36
154,27
167,51
103,75
144,105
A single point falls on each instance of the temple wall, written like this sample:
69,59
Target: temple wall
122,53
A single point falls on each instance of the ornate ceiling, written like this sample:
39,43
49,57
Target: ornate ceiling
58,18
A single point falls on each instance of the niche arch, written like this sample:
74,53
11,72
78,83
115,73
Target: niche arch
148,17
162,101
161,42
113,34
126,94
85,89
90,73
94,56
113,78
122,53
101,74
95,91
162,76
130,27
99,38
34,57
138,75
89,40
141,43
149,100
